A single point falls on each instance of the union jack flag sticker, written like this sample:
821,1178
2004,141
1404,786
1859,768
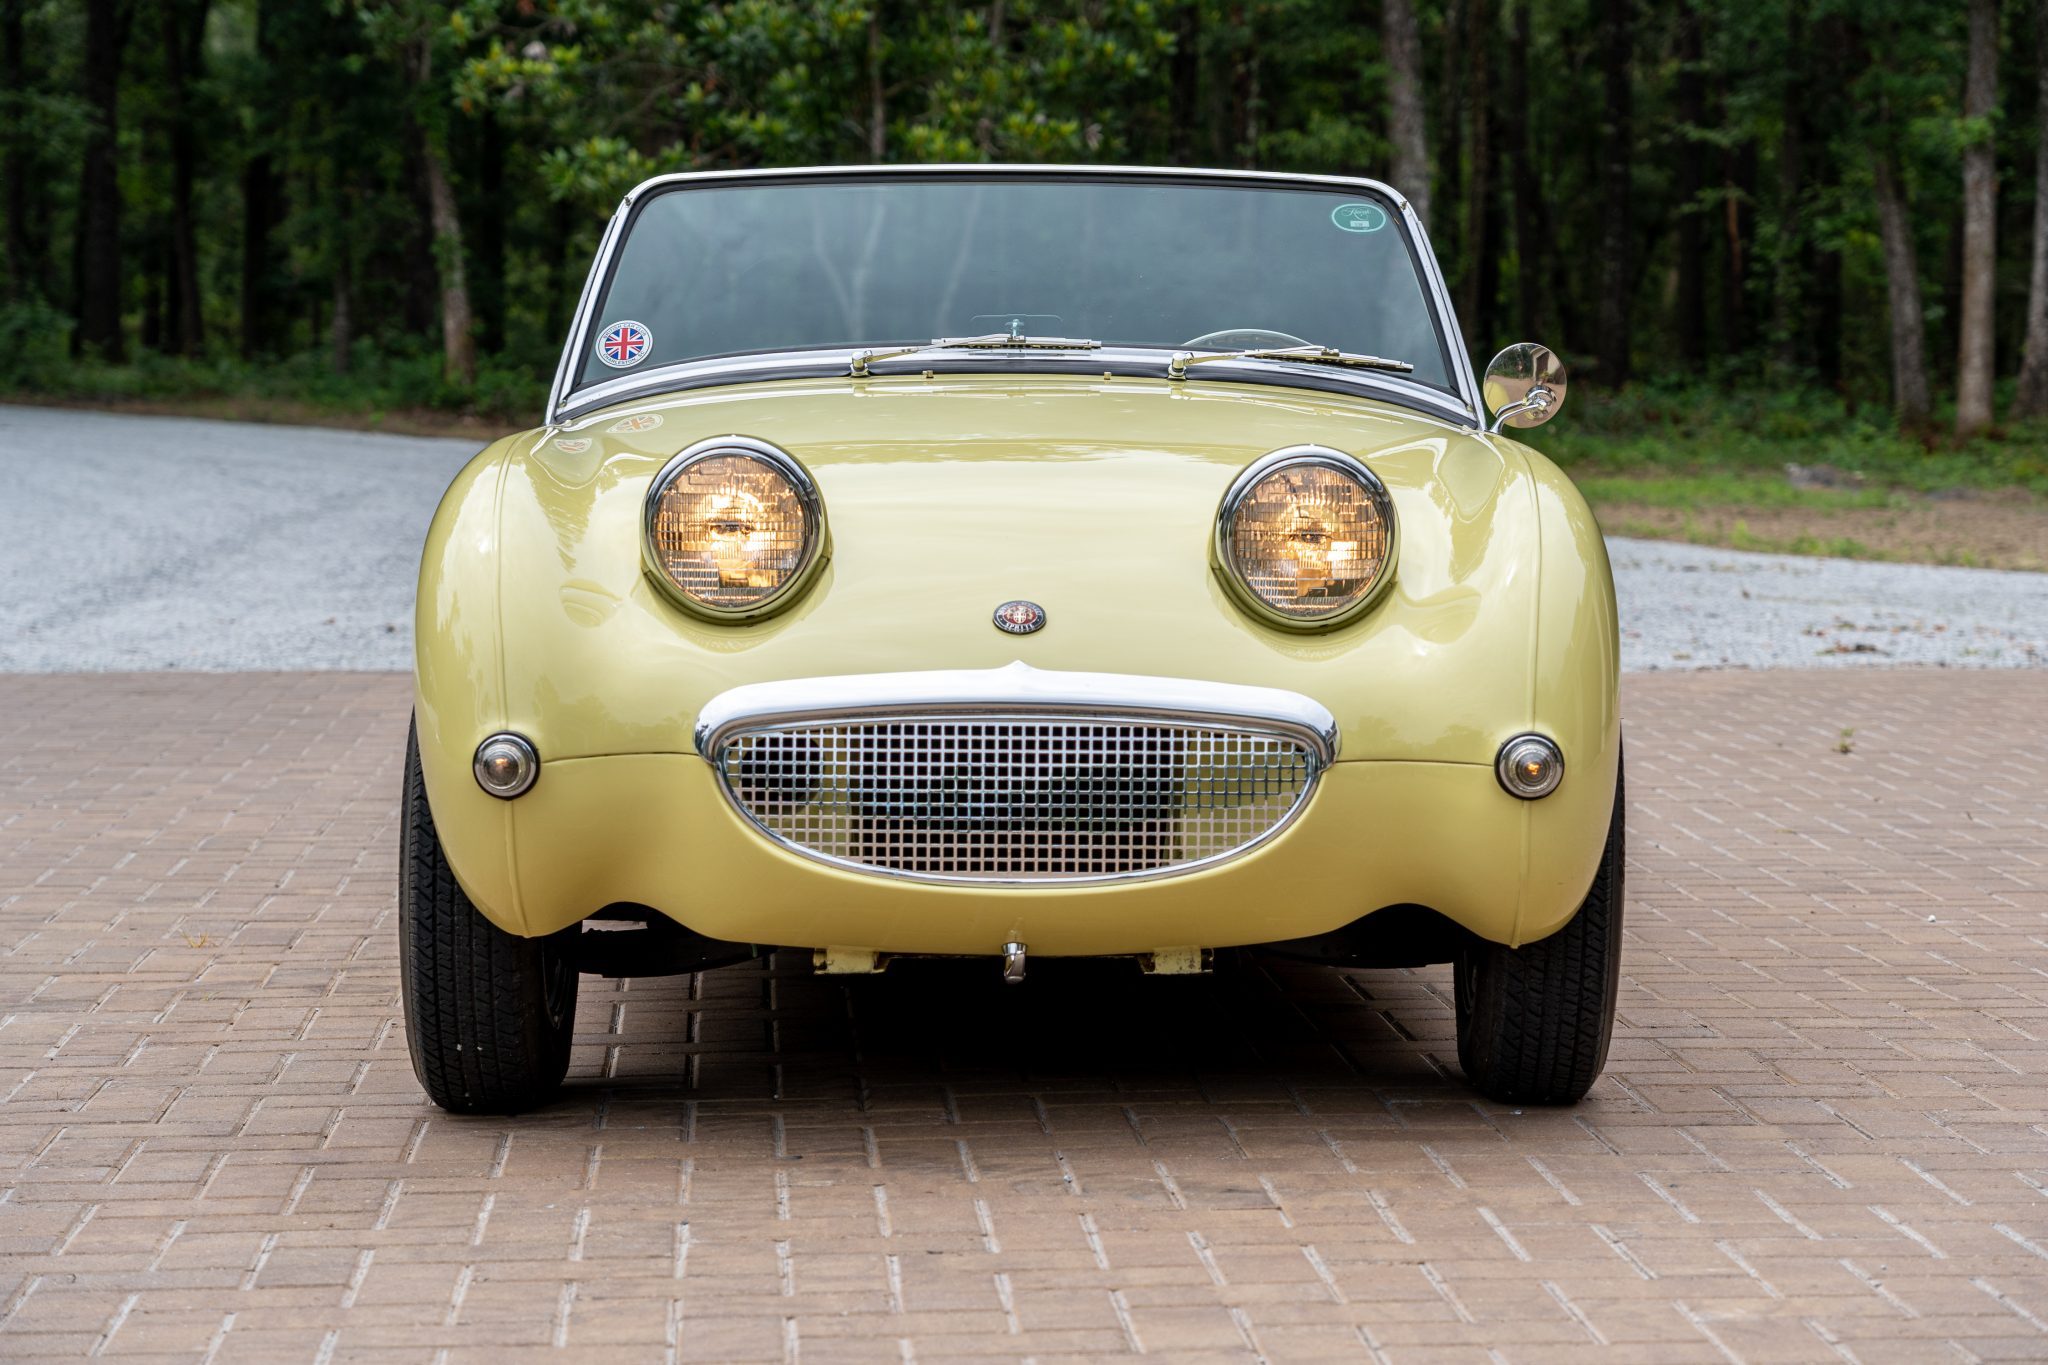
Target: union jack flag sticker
624,344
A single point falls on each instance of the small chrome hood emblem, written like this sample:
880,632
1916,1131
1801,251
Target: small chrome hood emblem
1019,617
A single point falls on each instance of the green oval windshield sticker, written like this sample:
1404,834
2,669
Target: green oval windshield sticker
1359,217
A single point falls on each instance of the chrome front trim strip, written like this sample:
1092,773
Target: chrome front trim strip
1465,406
1017,687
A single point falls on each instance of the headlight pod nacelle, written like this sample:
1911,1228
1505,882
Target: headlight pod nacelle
1306,538
732,529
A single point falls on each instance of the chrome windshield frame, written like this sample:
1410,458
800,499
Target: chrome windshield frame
1461,405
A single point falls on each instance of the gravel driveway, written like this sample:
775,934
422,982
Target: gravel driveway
136,543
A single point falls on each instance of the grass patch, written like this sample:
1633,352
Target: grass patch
1744,489
1736,439
381,388
1790,472
1739,536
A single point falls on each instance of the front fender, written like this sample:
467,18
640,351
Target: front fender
459,681
1574,684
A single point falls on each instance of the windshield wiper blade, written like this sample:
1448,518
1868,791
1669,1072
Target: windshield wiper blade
994,341
1177,368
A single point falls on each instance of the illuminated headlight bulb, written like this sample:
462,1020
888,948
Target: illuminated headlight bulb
735,541
731,525
1529,766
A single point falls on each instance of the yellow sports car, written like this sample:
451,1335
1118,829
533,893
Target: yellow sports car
1014,562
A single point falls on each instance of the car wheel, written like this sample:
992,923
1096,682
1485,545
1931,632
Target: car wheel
1534,1021
488,1014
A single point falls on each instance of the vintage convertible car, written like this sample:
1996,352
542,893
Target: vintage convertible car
1179,596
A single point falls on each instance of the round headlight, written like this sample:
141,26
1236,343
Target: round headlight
733,526
1306,536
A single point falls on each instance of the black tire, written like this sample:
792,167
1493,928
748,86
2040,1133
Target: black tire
488,1015
1534,1021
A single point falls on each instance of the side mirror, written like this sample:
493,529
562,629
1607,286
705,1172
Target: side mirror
1524,386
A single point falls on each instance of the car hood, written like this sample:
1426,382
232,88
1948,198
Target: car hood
946,496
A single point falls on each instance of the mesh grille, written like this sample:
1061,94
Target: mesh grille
1017,798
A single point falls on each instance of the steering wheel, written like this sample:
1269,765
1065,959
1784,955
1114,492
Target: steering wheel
1246,339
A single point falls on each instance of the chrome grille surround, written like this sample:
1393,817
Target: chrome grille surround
1016,777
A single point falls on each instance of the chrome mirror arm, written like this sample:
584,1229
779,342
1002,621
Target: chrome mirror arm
1538,401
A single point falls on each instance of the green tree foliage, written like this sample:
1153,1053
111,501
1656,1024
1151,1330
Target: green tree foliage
1752,146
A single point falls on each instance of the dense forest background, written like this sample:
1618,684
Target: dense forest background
399,197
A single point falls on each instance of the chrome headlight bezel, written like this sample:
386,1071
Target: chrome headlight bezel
816,539
1255,473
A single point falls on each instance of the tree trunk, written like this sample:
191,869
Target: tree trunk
96,262
1738,185
1787,285
1406,127
490,235
2032,398
1244,88
559,301
1526,186
1974,349
23,270
1617,193
1690,306
153,292
458,347
878,108
259,213
458,343
419,276
1824,317
1830,69
1254,105
1184,98
341,337
1480,282
341,328
1910,398
184,48
1450,145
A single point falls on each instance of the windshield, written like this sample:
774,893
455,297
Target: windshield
722,269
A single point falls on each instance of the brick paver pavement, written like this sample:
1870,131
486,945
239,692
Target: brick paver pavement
1824,1131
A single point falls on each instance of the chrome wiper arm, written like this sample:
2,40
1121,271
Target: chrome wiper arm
994,341
1177,368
